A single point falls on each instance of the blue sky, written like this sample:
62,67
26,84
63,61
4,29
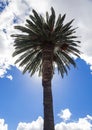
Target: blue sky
21,99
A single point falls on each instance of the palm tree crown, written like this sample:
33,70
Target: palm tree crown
39,33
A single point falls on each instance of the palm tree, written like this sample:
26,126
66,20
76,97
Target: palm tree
43,44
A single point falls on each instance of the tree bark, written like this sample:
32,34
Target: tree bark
47,73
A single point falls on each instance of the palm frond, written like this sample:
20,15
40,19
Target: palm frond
51,21
60,63
60,21
38,18
23,29
69,58
34,61
35,64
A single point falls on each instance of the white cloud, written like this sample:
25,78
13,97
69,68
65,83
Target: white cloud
89,117
9,77
82,124
34,125
65,114
41,6
88,60
4,65
6,42
3,126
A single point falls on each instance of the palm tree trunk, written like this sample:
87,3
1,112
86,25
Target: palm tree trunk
47,72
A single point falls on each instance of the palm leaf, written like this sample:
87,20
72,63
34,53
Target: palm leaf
69,58
51,19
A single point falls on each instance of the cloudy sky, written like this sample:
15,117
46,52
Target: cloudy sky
21,96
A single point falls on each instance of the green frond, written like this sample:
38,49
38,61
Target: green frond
70,32
23,43
32,18
40,68
27,54
33,61
59,23
69,58
71,37
51,21
42,19
47,17
35,64
30,23
19,35
74,49
37,17
73,53
23,29
74,44
23,47
37,26
67,26
26,68
65,60
19,51
33,28
60,20
61,66
28,58
22,57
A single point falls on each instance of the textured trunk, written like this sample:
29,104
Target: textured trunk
47,73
